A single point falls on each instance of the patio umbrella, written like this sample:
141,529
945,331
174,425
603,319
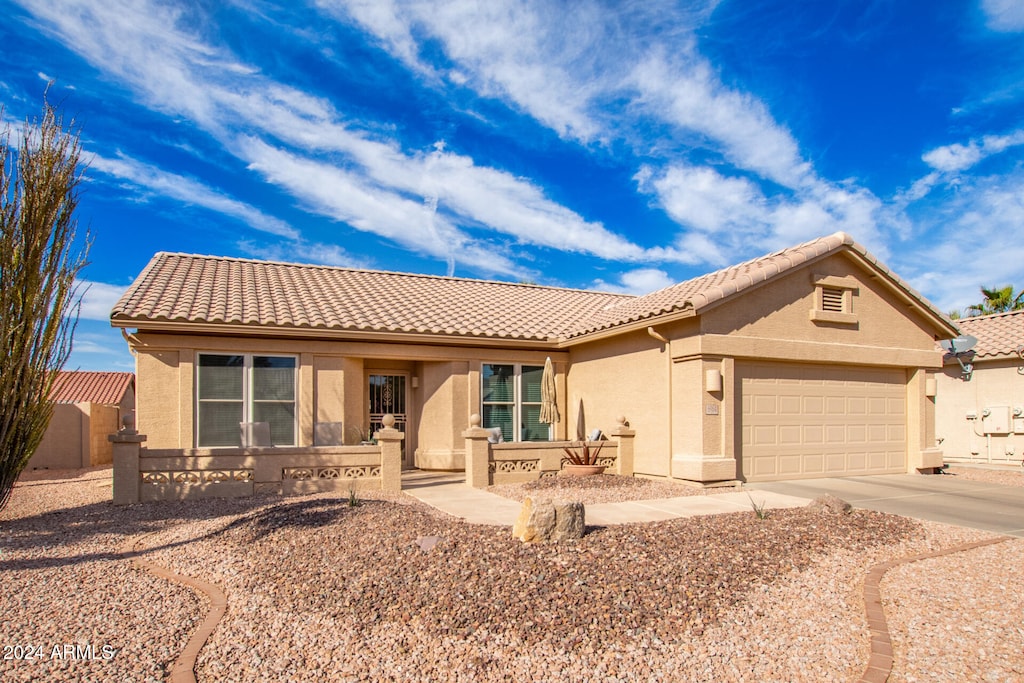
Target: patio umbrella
548,405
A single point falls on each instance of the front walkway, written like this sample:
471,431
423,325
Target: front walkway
449,493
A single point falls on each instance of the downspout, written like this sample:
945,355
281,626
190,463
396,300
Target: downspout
132,340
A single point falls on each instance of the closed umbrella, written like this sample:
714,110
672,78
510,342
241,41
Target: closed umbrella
548,404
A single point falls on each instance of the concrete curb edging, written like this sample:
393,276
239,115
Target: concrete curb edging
879,665
183,669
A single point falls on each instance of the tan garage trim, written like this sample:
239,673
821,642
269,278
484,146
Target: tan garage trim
799,421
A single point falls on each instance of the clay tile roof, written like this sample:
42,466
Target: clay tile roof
701,292
183,288
998,335
189,289
106,388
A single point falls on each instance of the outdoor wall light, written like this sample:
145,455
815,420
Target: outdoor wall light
930,387
712,380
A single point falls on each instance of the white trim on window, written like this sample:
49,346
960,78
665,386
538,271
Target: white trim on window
222,431
513,423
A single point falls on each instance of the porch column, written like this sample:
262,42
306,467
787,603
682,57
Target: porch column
624,436
390,440
477,454
127,446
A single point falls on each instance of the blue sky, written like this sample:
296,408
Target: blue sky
614,145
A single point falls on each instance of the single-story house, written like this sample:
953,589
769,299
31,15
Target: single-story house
980,395
810,361
88,406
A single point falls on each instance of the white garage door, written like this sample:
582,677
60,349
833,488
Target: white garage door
802,421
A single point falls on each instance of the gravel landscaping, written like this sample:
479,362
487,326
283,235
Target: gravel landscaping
1002,476
608,488
394,590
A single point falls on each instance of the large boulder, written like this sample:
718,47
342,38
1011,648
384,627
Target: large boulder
545,520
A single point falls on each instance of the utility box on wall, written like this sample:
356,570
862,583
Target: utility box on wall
996,420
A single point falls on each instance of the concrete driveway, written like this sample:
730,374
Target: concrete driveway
939,498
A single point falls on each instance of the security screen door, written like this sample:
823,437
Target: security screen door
387,395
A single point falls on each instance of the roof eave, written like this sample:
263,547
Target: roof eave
626,328
321,333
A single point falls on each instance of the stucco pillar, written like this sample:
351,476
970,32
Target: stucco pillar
477,454
127,447
704,405
624,436
390,440
922,454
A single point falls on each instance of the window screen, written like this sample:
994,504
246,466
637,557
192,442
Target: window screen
234,388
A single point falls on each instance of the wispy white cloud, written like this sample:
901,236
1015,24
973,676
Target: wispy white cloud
976,244
97,299
303,252
591,74
1004,15
960,157
594,75
386,187
726,216
188,191
640,281
687,93
950,163
345,196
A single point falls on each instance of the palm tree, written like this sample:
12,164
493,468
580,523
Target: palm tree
998,300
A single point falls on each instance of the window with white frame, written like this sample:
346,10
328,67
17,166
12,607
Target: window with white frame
235,388
511,397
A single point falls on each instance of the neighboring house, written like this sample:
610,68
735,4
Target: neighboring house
981,413
88,407
811,361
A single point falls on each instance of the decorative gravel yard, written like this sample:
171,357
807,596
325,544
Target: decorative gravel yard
317,589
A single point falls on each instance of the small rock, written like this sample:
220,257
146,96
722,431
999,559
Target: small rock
427,542
831,504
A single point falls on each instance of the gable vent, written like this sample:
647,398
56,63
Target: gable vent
832,300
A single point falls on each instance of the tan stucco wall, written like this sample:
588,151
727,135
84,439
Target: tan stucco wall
65,444
683,429
332,387
993,384
158,398
887,331
686,431
77,437
445,396
625,376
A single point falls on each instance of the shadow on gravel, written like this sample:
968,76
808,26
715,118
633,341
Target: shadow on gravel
260,516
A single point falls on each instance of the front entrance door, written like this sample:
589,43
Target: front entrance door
388,395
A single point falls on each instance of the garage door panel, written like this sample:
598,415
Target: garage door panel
814,434
789,465
789,405
789,435
835,435
821,421
835,462
814,405
857,434
877,406
765,405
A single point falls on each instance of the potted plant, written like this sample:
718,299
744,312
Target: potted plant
583,459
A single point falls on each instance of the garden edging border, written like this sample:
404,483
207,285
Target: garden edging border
879,666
